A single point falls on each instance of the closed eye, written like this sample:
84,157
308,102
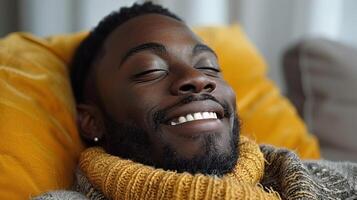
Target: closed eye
210,69
147,72
149,75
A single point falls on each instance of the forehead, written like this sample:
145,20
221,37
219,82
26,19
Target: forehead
150,28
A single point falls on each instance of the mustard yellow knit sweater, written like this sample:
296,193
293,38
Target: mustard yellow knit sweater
102,176
119,178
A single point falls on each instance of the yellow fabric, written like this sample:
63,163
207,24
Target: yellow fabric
39,144
124,179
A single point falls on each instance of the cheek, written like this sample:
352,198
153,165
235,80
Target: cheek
226,93
232,96
140,103
125,102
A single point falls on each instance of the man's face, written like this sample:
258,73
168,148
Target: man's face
163,98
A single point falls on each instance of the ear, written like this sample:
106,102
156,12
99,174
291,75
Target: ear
90,122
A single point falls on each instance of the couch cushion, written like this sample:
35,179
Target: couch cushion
321,78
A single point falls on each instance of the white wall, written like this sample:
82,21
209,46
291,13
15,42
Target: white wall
47,17
274,25
199,12
90,12
348,32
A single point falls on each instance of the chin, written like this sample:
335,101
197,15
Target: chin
215,157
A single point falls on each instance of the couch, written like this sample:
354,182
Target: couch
321,80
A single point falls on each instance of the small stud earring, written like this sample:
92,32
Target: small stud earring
96,139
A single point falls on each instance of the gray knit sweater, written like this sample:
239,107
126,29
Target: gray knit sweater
284,172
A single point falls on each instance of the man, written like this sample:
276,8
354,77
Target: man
151,94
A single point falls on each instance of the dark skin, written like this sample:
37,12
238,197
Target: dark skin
148,74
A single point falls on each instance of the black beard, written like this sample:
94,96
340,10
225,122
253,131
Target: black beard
132,142
129,141
211,162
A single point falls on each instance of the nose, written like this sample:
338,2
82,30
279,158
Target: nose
192,80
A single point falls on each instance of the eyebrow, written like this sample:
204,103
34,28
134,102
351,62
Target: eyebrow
202,48
151,46
160,49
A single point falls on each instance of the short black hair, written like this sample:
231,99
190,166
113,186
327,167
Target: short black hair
89,48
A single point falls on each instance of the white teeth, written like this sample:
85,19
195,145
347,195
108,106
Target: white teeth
197,116
213,115
206,115
189,117
182,119
194,116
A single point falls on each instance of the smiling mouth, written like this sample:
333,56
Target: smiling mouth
193,117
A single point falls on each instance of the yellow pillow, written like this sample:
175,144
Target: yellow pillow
39,143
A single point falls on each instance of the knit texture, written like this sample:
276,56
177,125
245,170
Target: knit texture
103,177
124,179
294,179
61,195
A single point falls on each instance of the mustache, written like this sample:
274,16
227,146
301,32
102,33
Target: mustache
160,116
